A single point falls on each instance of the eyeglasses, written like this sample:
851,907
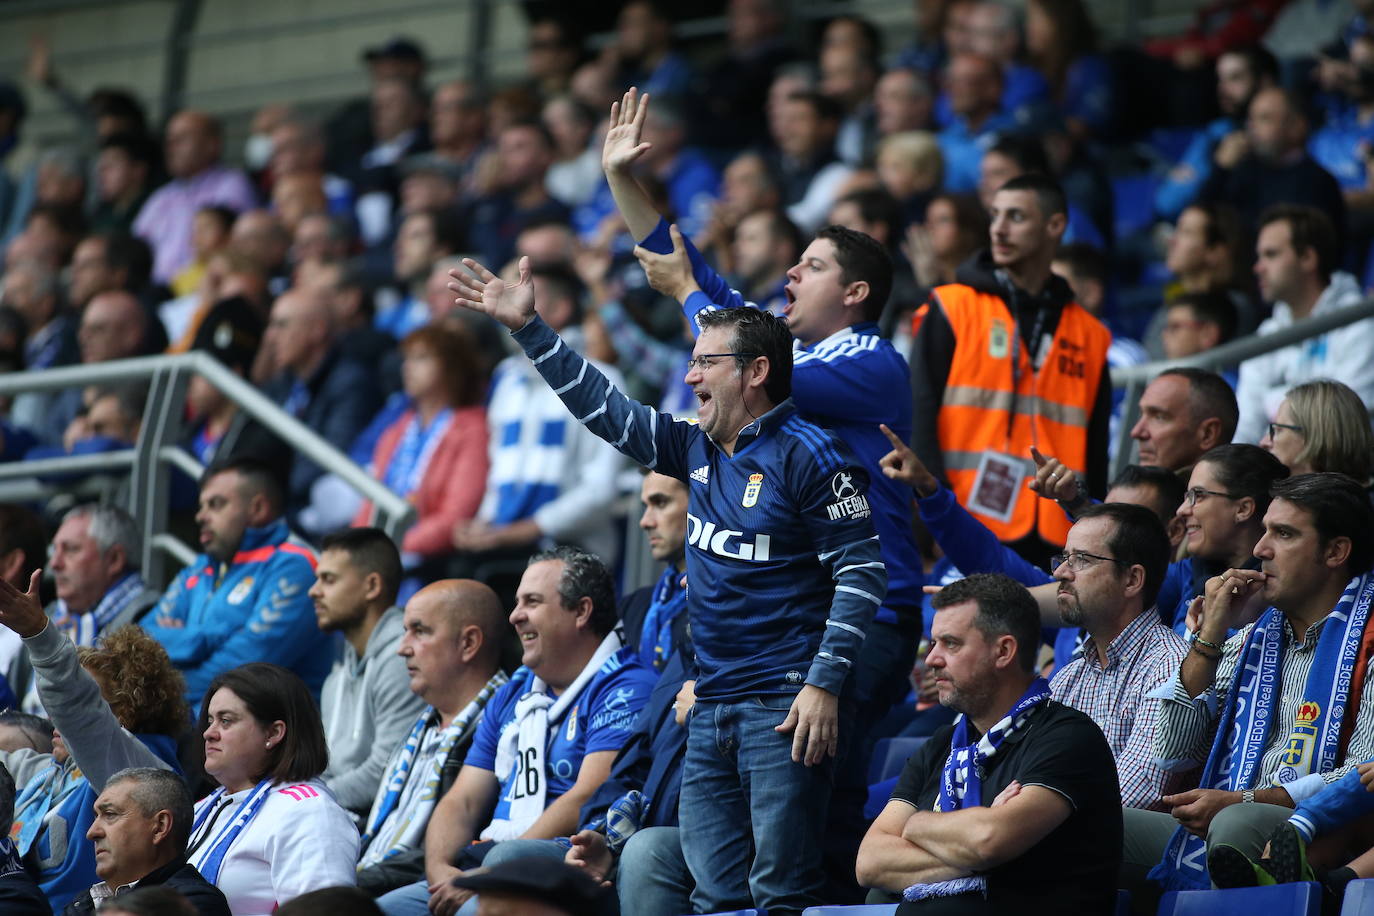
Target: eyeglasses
1079,561
707,360
1193,495
1275,427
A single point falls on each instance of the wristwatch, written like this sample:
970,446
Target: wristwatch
1247,796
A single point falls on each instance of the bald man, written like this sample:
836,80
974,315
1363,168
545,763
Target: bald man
332,394
113,326
452,647
192,146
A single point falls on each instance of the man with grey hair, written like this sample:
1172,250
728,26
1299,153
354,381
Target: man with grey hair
95,567
19,893
142,822
31,289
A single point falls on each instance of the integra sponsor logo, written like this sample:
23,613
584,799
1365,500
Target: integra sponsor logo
724,542
850,502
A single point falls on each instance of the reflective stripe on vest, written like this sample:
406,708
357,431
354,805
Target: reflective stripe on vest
1052,406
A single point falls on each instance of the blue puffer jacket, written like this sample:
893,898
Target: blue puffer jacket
254,608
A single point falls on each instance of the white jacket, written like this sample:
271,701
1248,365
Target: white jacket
1345,354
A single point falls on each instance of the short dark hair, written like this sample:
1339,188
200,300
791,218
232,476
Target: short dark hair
1339,506
757,333
130,254
1246,470
862,258
35,728
113,102
70,221
1311,229
138,147
160,790
1086,261
1259,60
272,693
877,205
1026,150
872,36
371,551
826,108
330,901
781,226
21,529
584,576
449,233
1139,539
1047,191
1209,395
223,215
1005,607
260,477
564,283
1212,306
536,125
1168,486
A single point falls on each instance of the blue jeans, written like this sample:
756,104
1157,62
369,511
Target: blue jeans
411,900
1341,802
738,783
653,879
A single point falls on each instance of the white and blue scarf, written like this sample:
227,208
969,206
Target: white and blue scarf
218,845
408,463
83,629
1246,723
409,831
961,783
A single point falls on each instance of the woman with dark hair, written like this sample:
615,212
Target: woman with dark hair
272,831
1061,40
1223,519
435,454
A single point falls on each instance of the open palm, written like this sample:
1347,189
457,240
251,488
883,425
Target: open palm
483,291
623,144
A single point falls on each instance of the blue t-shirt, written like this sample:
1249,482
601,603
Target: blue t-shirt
602,719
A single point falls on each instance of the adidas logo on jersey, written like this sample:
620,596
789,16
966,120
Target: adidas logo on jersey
702,474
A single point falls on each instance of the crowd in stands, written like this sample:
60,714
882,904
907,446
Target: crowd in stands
838,307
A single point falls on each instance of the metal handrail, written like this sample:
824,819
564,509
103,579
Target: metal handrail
157,447
1134,378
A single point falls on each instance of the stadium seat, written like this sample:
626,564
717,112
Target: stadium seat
869,909
1303,898
1123,903
741,913
889,756
1133,201
1359,898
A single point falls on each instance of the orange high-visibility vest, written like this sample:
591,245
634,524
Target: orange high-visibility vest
995,400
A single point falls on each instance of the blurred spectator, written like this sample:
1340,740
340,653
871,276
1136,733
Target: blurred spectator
525,150
59,183
692,183
974,87
1196,322
298,147
1218,26
1296,259
1061,42
229,275
1343,144
436,453
333,396
398,131
810,175
1241,72
294,197
349,130
1015,154
209,233
31,290
902,101
56,228
735,87
1273,166
13,108
352,309
458,129
19,893
260,236
218,431
257,149
551,479
1089,275
642,53
848,75
766,246
493,344
194,143
317,237
876,213
425,237
245,596
911,168
747,186
994,31
366,704
553,53
1323,425
926,54
955,227
576,174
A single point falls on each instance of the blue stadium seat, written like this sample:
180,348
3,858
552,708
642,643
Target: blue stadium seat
1133,201
1123,903
889,756
1359,898
741,913
870,909
1303,898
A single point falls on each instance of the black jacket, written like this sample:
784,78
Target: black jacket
178,875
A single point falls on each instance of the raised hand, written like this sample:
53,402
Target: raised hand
483,291
1053,480
623,144
902,464
22,612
